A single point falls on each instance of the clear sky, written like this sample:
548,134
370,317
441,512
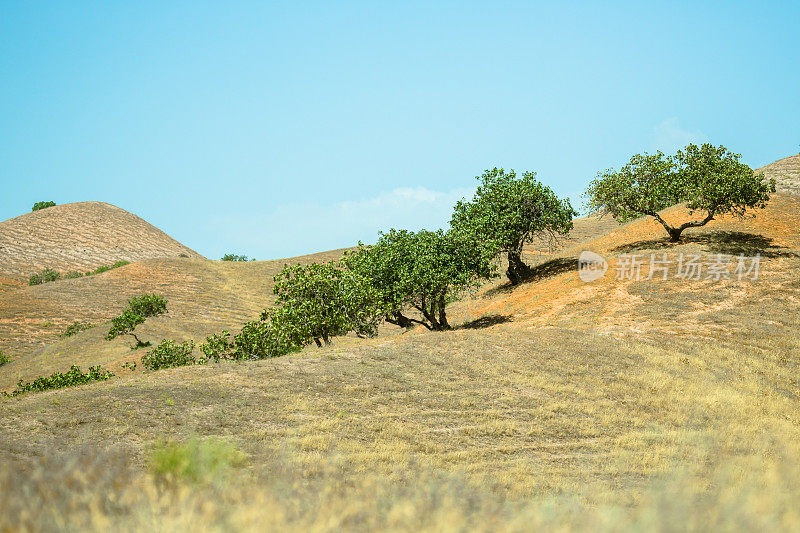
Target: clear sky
279,128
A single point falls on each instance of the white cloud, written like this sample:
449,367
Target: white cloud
670,137
301,228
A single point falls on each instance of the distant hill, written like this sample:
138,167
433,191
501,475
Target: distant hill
786,172
80,236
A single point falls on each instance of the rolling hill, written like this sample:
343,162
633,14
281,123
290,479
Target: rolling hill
80,237
786,172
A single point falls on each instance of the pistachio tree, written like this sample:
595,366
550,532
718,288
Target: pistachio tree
509,211
709,180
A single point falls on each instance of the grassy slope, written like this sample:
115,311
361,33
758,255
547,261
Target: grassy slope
595,393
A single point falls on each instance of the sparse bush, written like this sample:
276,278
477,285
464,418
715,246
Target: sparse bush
45,277
75,328
106,268
218,346
73,275
169,354
235,257
508,211
42,205
139,308
59,380
710,180
4,359
195,461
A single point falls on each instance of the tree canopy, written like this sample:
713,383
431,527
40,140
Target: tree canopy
424,270
508,211
319,301
709,180
139,308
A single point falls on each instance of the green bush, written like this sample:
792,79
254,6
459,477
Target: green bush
218,346
195,461
45,277
76,327
73,275
42,205
234,257
4,359
60,380
169,354
139,308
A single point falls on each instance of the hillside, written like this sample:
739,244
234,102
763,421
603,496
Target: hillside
786,172
79,237
620,403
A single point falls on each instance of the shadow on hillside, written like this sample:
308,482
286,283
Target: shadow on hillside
544,270
485,322
717,242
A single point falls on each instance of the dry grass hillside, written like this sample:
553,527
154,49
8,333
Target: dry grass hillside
786,172
79,237
204,297
649,404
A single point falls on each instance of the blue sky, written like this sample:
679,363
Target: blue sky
274,129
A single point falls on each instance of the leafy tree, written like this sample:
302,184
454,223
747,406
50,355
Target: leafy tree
709,180
234,257
45,277
423,271
319,301
42,205
139,308
508,211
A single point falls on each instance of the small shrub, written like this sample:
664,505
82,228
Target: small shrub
59,380
76,327
42,205
234,257
4,359
73,275
195,461
130,365
45,277
106,268
169,354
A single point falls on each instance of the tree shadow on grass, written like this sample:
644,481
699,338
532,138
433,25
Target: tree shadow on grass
485,322
542,271
717,242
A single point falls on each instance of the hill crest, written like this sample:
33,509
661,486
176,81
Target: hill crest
80,236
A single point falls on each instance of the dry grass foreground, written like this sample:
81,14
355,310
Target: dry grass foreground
612,405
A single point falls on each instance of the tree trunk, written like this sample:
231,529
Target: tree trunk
675,234
442,315
316,340
326,339
517,269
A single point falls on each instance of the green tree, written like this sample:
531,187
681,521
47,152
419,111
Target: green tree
710,180
423,271
319,301
235,257
42,205
139,308
508,211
